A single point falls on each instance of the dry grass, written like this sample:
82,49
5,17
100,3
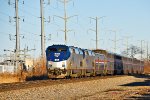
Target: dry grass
147,68
39,67
38,72
8,78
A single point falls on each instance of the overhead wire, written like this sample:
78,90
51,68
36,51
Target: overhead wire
28,13
28,6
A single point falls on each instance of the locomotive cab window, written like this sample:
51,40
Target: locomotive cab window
62,49
52,50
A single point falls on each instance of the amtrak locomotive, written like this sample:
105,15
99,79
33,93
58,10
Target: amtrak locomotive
69,61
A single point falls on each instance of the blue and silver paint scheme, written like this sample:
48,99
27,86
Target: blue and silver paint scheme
57,55
64,60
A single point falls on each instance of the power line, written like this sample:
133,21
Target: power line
4,13
5,22
24,11
29,6
29,32
29,23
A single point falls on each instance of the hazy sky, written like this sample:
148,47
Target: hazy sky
129,18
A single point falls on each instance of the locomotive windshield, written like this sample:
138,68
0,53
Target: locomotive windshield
62,49
57,49
52,49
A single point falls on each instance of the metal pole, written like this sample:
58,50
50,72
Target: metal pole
65,19
147,53
115,42
96,33
17,34
141,52
141,48
42,31
127,48
17,27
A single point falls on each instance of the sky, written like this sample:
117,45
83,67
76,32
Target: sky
128,18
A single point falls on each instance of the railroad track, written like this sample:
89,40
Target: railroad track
48,82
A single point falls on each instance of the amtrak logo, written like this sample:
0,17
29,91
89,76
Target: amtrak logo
57,54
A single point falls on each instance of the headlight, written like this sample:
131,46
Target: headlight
49,64
63,64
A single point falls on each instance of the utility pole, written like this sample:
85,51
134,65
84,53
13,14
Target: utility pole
115,40
65,18
42,27
17,28
141,52
147,52
17,56
42,30
43,66
96,30
142,49
17,36
127,53
127,44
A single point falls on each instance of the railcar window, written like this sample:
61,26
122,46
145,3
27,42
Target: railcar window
86,53
90,53
77,51
102,57
93,54
80,51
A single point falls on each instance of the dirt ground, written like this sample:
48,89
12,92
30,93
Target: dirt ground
111,88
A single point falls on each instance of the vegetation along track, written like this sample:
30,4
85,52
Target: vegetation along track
39,83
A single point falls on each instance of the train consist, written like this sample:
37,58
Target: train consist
68,61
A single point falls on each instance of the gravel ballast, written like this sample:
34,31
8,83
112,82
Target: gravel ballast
110,88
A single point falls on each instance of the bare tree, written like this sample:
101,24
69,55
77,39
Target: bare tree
132,51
